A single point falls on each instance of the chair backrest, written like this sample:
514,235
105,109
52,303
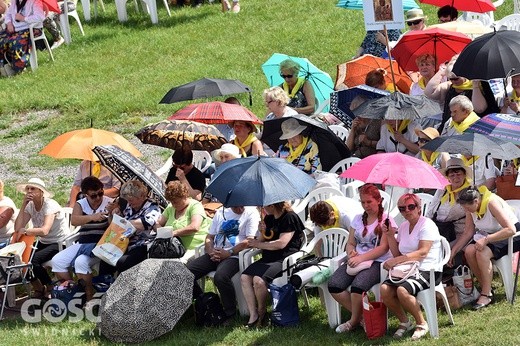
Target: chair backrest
388,204
333,242
351,189
202,160
446,250
342,166
485,18
515,204
517,6
319,194
341,131
426,200
510,22
67,214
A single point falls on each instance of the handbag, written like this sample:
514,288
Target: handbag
463,282
166,248
361,266
285,305
403,271
6,262
375,317
453,298
506,187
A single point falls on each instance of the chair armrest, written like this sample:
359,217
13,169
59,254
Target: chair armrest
335,262
69,240
200,250
245,257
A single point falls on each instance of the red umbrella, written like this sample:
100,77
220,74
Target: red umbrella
479,6
443,44
52,5
396,169
215,113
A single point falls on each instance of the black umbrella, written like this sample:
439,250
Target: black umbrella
146,301
490,56
204,88
126,167
331,148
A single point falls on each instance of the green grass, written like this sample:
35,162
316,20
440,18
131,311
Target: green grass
116,75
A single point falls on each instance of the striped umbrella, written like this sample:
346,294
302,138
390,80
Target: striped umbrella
215,113
502,126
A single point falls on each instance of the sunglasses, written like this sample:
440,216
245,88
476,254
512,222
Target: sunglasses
285,76
97,195
454,78
416,22
423,140
409,206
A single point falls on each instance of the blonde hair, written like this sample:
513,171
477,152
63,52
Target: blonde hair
290,65
276,94
133,188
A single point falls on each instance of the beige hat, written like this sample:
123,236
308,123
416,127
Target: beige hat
34,182
414,14
429,132
456,163
228,148
291,128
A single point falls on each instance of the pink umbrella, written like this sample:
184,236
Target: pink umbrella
396,169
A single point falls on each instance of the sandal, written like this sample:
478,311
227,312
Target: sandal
236,7
225,5
403,328
345,327
478,306
420,331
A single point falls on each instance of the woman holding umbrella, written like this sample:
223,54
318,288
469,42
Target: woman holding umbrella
299,90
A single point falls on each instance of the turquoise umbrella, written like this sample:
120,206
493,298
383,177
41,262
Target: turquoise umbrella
321,81
358,4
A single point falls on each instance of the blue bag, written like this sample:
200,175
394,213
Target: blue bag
285,306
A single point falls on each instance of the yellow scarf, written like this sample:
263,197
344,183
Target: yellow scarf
296,87
463,126
96,169
450,193
515,97
336,215
486,197
250,139
432,159
404,124
467,85
470,161
296,152
391,87
421,83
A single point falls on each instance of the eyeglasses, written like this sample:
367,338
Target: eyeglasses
409,206
269,102
285,76
423,140
97,195
415,22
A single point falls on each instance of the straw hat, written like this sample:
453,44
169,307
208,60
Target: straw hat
291,128
36,183
429,132
456,163
227,148
414,14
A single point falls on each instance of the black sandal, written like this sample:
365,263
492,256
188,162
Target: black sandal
478,306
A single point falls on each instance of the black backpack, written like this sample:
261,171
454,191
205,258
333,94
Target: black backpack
166,248
209,311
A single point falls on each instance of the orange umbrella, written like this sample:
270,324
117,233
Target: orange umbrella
78,144
353,72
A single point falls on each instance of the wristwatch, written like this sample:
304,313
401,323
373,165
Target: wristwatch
230,252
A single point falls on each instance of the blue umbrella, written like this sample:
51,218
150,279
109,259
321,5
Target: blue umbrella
258,181
358,4
340,101
321,81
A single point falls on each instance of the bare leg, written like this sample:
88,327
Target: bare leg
63,276
89,289
389,296
410,304
261,295
344,299
486,273
357,308
246,282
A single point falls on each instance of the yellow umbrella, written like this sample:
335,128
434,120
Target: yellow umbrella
78,144
472,29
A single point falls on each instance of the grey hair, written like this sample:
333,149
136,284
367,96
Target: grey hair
276,94
463,101
133,188
290,65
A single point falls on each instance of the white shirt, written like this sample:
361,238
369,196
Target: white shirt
230,229
7,230
59,225
369,241
387,142
348,209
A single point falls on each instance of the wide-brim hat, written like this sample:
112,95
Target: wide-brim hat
291,128
456,163
36,183
414,14
249,124
228,148
429,132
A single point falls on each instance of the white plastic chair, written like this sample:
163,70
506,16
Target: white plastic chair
504,264
427,298
64,21
486,19
319,194
388,204
342,166
33,59
202,160
426,200
517,6
511,22
151,8
341,131
86,8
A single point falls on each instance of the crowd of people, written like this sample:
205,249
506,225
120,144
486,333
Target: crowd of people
476,221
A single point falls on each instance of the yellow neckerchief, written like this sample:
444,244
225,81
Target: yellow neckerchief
515,97
336,215
450,193
467,85
250,139
422,83
470,119
391,87
295,153
96,169
515,163
296,87
432,159
404,124
470,161
486,197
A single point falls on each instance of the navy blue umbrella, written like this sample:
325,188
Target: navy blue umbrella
340,101
258,181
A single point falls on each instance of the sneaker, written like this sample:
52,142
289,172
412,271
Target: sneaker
345,327
57,43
